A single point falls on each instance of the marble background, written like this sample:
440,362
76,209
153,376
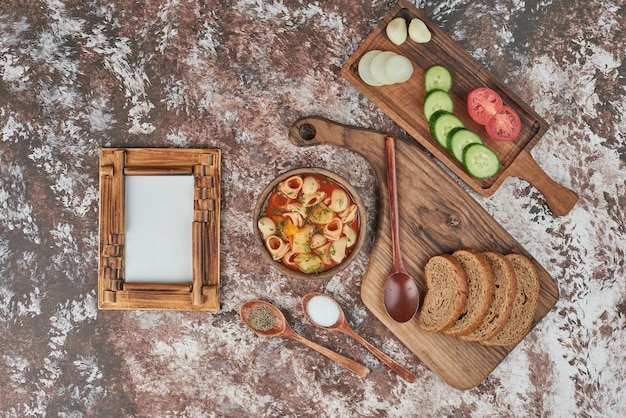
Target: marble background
77,75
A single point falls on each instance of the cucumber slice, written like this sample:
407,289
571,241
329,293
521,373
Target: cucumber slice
437,100
438,77
480,161
441,123
458,139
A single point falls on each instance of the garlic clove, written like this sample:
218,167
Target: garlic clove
418,31
397,30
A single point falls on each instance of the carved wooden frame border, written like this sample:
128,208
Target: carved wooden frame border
203,293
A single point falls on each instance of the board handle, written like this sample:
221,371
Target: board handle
559,198
313,130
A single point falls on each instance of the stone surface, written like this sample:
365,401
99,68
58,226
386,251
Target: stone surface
79,75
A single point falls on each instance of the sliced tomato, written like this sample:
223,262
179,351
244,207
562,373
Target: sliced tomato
505,125
482,104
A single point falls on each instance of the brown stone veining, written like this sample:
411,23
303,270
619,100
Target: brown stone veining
76,76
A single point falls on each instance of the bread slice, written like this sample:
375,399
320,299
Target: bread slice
525,305
446,293
504,291
480,291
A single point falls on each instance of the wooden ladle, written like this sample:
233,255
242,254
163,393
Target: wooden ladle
281,327
400,293
343,326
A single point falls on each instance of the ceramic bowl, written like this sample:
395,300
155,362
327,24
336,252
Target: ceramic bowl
327,180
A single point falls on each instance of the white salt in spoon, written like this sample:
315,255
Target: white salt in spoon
281,327
323,311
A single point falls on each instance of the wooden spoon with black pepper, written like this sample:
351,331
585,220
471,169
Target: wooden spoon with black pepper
261,323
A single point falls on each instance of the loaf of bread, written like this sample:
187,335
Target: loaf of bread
504,292
524,306
446,293
480,291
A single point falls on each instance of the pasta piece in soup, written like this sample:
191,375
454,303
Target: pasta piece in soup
310,185
350,235
338,250
276,246
324,253
291,187
296,207
266,226
296,219
349,215
312,199
290,258
332,231
317,240
339,201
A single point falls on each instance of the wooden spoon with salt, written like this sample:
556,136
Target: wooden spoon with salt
341,324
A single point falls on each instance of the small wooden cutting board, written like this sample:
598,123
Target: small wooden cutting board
436,216
403,103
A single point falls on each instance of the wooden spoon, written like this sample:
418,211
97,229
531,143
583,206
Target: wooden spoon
343,326
281,327
401,295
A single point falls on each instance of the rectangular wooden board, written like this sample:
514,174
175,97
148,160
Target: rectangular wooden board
404,102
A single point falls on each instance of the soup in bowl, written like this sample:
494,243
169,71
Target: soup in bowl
310,223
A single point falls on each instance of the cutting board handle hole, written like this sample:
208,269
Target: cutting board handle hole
404,13
307,131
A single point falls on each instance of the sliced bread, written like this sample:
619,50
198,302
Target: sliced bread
480,291
504,292
525,305
445,295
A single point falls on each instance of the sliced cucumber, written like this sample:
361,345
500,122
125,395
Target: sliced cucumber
441,123
437,100
480,161
438,77
458,139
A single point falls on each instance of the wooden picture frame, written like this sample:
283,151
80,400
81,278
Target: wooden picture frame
202,293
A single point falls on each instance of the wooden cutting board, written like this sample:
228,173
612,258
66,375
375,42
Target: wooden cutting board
436,216
404,104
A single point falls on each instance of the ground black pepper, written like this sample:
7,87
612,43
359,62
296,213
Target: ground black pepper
262,318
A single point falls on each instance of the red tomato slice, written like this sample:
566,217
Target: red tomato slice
482,104
504,125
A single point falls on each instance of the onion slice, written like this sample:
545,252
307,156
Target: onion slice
364,68
398,68
378,67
